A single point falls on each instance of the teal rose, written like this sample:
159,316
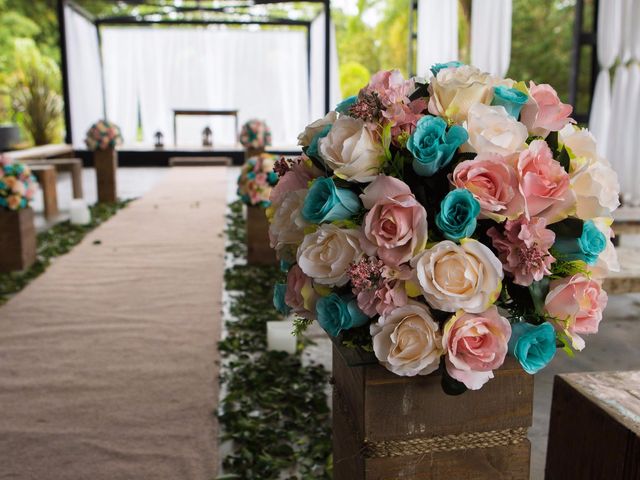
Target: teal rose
533,345
458,213
433,145
510,98
336,313
587,247
344,106
279,291
325,202
441,66
312,149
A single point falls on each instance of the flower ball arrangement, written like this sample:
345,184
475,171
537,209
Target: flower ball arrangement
103,135
255,134
17,184
448,223
256,180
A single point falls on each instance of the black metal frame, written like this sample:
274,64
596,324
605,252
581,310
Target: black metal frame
132,20
582,39
413,38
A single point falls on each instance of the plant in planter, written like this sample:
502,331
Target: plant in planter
103,138
255,136
17,232
440,227
255,182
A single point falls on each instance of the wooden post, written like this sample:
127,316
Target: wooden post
106,165
259,252
391,427
252,152
17,239
594,431
48,180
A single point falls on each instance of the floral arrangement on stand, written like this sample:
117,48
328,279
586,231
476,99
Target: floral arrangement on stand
255,134
18,186
103,135
256,180
447,223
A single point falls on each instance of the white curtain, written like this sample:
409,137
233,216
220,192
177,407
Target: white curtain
260,73
86,101
491,35
437,33
317,65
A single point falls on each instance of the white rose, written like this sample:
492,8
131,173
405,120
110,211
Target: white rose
268,162
608,258
580,142
351,151
407,341
313,129
454,90
286,230
493,130
452,277
326,254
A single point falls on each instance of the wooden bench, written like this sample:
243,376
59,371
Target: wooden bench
595,427
60,150
627,280
626,221
199,161
47,178
71,165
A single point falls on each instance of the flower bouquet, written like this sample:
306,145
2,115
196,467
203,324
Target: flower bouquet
103,135
17,184
255,135
449,222
256,180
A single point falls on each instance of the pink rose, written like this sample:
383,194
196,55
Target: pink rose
544,112
379,301
475,344
391,87
544,184
396,225
300,295
403,117
523,248
297,178
576,303
493,182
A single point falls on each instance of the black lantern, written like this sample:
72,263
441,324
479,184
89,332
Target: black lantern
207,137
159,139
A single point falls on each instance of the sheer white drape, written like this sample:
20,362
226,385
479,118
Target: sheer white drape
261,73
437,33
317,90
491,35
83,71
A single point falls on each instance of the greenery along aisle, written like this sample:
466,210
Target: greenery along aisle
274,408
54,242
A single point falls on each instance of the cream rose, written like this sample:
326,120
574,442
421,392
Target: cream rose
407,341
286,230
454,90
314,128
608,258
351,150
493,130
466,276
326,254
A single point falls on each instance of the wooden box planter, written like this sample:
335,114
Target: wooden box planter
17,239
258,250
390,427
106,165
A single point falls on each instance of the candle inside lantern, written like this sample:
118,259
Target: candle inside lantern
80,214
280,336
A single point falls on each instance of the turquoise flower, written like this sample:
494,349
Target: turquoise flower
312,149
533,345
325,202
458,213
586,248
344,106
285,266
441,66
510,98
279,291
336,313
272,178
251,175
433,146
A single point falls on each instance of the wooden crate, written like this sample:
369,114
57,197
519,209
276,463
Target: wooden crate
258,250
17,239
390,427
594,431
106,165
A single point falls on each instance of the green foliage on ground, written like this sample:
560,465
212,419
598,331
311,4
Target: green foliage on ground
274,409
52,243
